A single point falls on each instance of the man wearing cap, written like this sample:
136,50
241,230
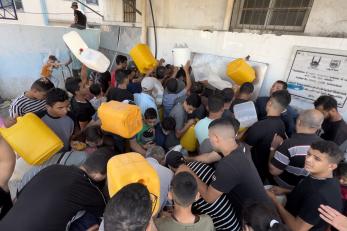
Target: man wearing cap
80,18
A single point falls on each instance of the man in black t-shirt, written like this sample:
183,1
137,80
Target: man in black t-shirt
120,93
234,174
54,196
320,187
80,19
288,158
334,127
261,134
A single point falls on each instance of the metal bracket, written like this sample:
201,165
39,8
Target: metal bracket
8,10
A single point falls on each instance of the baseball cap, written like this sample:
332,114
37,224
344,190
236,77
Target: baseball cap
74,4
174,159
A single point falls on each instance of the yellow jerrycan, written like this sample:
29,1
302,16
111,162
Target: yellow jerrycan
240,72
32,139
188,140
130,168
121,119
143,58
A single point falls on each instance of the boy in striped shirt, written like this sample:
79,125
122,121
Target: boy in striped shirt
33,100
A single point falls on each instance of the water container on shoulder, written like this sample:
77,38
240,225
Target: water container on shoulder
32,139
121,119
246,114
180,56
240,71
130,168
188,140
143,58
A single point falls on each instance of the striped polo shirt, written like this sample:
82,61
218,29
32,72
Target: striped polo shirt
221,211
290,157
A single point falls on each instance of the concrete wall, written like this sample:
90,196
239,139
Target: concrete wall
327,17
25,48
60,13
268,48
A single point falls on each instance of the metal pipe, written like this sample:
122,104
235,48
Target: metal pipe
90,8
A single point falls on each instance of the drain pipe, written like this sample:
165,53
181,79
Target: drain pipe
144,22
44,11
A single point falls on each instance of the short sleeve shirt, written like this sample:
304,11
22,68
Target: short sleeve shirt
308,195
180,116
290,157
260,136
335,131
201,129
82,112
169,100
236,176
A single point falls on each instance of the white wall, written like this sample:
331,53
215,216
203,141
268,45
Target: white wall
327,17
26,18
268,48
60,13
24,49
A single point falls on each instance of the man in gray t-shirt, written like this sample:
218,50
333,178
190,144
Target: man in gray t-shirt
180,113
56,116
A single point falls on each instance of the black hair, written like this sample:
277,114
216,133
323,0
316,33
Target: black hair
42,85
184,189
181,73
194,100
215,103
129,209
97,161
72,84
121,76
262,217
228,95
93,133
326,101
150,113
104,81
236,124
168,124
56,95
52,57
224,123
341,170
246,88
161,72
172,85
95,89
282,97
330,148
197,88
284,84
121,59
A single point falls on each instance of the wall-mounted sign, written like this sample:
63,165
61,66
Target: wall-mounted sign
314,72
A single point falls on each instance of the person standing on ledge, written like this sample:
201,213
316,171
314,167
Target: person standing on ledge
80,18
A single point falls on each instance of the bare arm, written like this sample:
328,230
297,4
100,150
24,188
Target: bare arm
294,223
7,163
136,147
188,79
180,133
274,171
208,193
206,158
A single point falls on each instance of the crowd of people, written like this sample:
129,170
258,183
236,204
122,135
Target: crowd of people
285,172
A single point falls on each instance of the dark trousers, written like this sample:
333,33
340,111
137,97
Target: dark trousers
5,202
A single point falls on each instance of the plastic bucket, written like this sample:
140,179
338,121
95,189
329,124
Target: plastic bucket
246,114
143,58
32,139
181,56
240,71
